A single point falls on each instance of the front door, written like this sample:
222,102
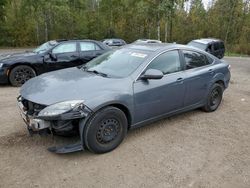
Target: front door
65,55
154,98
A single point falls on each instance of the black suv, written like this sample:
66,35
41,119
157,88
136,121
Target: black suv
50,56
215,47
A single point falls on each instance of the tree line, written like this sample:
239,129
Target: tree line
32,22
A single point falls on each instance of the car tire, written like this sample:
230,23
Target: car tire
105,130
214,98
20,74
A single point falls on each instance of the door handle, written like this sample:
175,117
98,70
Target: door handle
180,80
211,71
74,56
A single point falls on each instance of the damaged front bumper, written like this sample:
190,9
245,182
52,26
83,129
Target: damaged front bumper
38,125
33,125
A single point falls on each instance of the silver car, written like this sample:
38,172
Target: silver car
121,90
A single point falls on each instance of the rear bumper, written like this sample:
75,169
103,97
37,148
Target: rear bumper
227,79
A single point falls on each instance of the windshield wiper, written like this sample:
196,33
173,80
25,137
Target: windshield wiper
97,72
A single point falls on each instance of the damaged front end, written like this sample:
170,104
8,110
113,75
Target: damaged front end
63,118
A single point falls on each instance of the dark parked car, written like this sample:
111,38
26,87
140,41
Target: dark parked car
210,45
50,56
114,42
121,90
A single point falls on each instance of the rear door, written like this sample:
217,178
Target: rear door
199,73
154,98
66,55
89,50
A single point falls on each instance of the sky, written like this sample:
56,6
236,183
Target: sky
205,3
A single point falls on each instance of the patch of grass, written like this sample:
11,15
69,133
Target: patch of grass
13,48
233,54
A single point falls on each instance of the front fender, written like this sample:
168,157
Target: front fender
82,125
108,98
75,147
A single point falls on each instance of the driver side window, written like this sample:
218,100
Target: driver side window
65,48
168,62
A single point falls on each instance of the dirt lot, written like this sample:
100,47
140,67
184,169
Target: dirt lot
194,149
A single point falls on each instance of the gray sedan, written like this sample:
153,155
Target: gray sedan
121,90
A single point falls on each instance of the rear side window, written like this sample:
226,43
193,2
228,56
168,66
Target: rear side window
168,62
195,59
65,48
216,46
210,60
88,46
209,48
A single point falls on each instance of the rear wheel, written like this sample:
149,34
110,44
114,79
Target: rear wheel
105,130
20,74
214,98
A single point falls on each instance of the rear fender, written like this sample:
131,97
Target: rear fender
218,77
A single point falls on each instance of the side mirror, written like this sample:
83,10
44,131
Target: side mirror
52,56
152,74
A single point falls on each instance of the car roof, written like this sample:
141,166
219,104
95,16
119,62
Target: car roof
206,40
153,47
103,46
78,40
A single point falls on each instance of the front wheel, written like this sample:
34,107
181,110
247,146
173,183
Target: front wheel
214,98
20,74
105,130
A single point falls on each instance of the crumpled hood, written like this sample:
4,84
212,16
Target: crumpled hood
70,84
16,56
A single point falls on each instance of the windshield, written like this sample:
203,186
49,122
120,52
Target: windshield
118,63
45,47
198,45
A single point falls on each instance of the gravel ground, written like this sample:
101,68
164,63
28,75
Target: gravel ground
194,149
